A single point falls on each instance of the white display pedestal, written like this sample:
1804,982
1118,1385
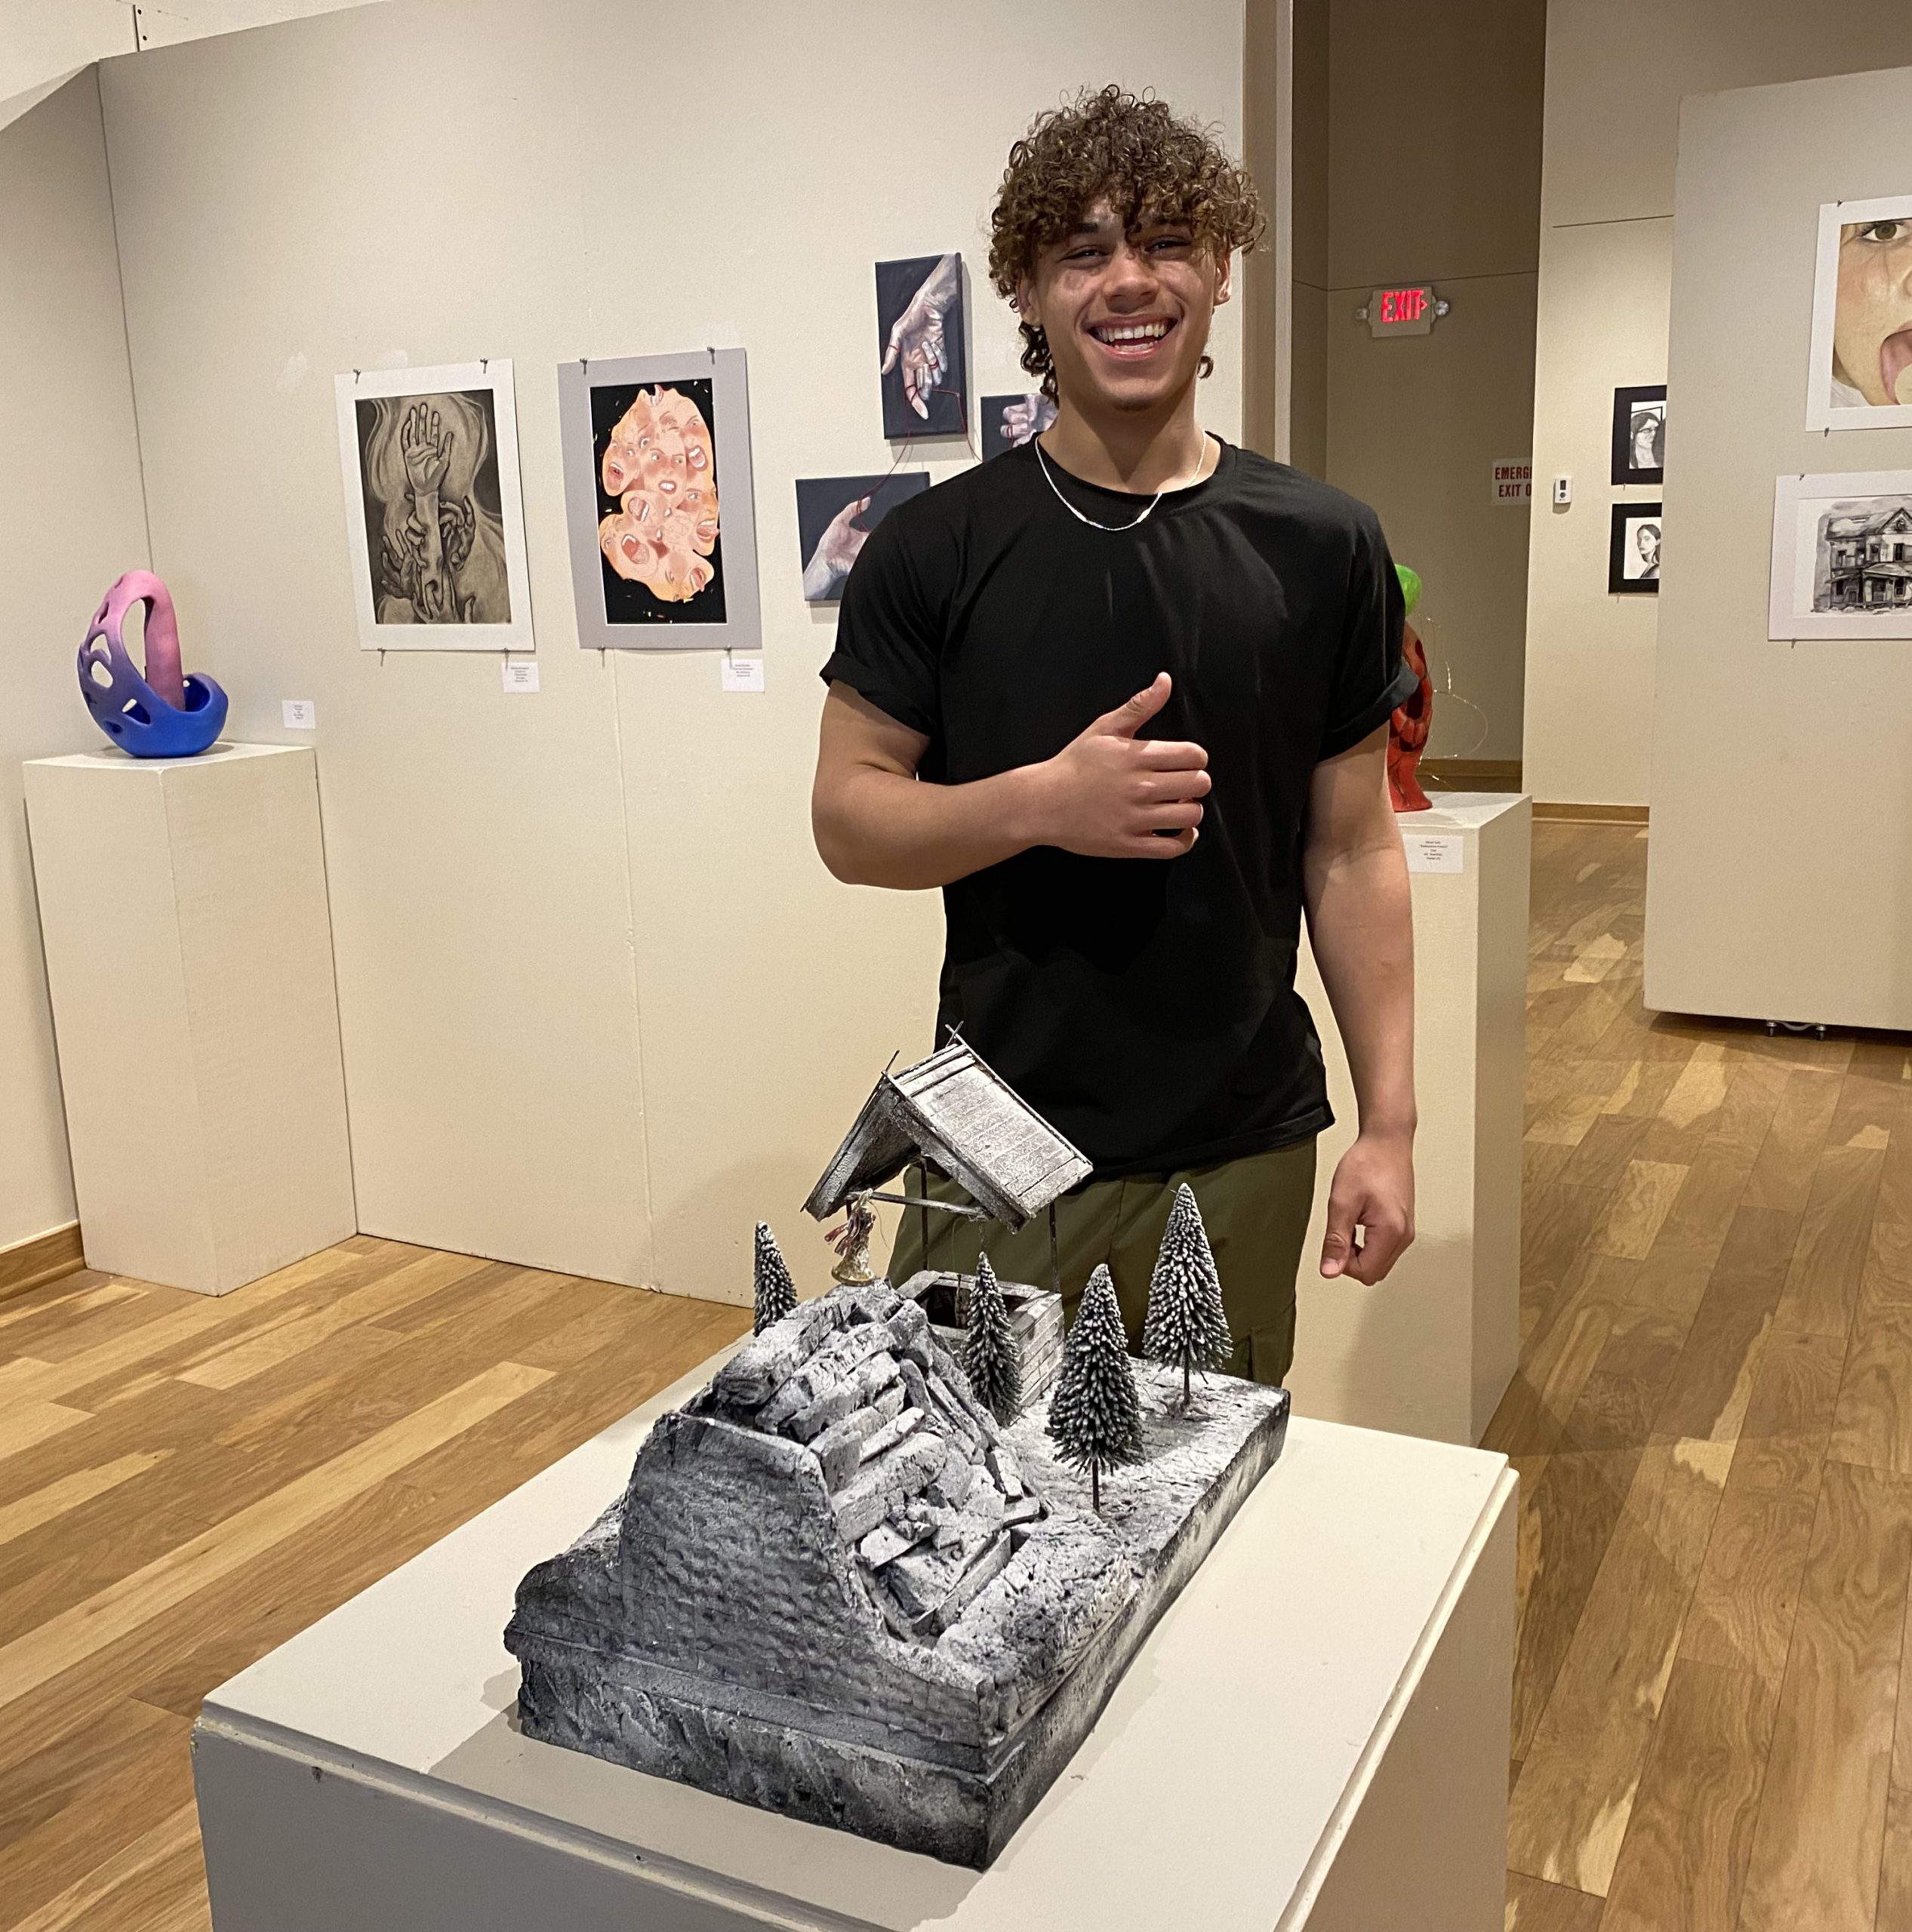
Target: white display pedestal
1431,1350
189,956
1314,1735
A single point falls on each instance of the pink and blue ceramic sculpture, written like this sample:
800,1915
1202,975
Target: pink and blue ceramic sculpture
163,714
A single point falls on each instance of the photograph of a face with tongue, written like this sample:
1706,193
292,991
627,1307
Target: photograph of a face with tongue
1861,375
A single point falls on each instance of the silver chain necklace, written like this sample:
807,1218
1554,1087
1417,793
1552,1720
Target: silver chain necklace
1041,458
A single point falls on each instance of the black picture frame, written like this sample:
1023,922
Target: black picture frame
1627,403
1623,549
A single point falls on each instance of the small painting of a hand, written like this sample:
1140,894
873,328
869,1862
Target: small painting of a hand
836,550
426,449
916,342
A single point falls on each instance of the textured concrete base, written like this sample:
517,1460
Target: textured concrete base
952,1798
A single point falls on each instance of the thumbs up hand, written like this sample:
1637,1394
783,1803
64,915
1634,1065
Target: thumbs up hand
1110,795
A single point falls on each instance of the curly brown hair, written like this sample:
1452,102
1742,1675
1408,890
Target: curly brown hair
1131,148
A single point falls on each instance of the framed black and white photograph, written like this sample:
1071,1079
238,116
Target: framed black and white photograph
658,507
1010,421
1633,555
921,347
1639,434
1860,375
434,516
1842,555
835,515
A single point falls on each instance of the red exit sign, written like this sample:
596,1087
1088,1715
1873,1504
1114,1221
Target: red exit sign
1407,308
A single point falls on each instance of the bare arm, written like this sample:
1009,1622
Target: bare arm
1108,793
1360,921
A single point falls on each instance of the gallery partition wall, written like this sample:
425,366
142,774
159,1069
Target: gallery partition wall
601,1005
1780,883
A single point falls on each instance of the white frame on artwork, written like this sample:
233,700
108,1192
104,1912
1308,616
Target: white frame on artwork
1789,615
493,373
1821,412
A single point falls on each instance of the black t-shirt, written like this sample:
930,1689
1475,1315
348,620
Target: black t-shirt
1146,1006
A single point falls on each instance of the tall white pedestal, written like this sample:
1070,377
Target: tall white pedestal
1314,1735
1431,1351
189,956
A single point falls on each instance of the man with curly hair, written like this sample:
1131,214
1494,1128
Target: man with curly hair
1123,693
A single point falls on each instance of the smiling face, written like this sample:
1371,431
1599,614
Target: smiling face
1126,314
1872,319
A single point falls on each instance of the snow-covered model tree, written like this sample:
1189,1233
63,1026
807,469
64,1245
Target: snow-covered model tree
1095,1420
1187,1326
776,1292
992,1357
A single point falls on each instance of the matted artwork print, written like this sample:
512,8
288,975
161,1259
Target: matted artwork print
921,347
1842,555
1639,434
1010,421
658,508
1861,376
1633,555
434,517
835,515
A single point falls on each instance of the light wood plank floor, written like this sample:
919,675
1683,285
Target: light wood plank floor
1716,1458
1713,1424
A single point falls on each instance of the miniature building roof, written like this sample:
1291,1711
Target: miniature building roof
964,1118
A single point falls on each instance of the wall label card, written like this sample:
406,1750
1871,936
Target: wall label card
742,673
301,713
521,674
1435,851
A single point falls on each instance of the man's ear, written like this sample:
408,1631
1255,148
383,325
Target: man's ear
1224,272
1026,298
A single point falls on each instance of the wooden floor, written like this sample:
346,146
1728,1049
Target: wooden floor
1716,1456
1713,1428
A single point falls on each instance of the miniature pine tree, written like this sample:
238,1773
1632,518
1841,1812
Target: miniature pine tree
1095,1420
992,1357
776,1292
1187,1327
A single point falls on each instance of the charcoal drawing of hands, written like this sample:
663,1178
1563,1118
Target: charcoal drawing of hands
426,449
916,342
837,549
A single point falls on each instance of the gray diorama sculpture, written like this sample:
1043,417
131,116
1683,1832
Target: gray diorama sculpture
836,1586
991,1356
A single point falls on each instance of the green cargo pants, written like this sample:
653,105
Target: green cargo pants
1255,1211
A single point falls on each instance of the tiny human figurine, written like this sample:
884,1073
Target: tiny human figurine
1187,1326
852,1242
1095,1418
776,1293
1407,730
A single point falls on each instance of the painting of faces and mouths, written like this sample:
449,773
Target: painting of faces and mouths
434,519
1861,376
657,501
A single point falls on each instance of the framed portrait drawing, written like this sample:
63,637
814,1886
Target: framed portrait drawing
1860,372
658,510
1842,555
1639,434
434,517
835,516
1633,553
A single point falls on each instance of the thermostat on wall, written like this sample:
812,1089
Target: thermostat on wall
1406,309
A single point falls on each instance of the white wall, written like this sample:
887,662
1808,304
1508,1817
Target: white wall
1616,70
70,506
1780,885
602,1007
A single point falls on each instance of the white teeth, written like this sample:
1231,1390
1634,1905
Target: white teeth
1134,332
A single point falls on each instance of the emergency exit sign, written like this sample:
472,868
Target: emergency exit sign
1514,479
1407,308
